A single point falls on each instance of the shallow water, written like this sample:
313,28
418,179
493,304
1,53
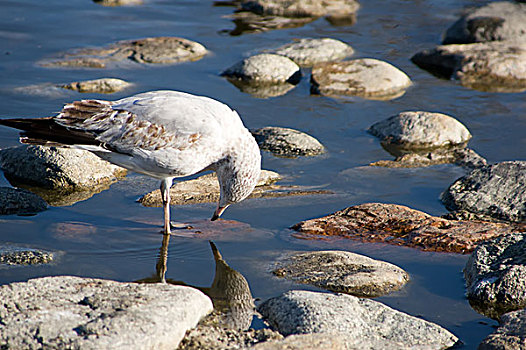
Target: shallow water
111,236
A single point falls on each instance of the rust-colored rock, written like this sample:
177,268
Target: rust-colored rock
400,225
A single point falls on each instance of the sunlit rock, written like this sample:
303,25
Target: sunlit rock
287,142
496,275
400,225
155,50
19,201
101,86
265,68
17,255
496,191
307,52
300,8
363,323
366,77
341,271
499,20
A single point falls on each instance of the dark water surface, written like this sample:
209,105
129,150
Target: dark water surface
111,236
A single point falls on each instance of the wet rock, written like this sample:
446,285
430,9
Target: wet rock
464,157
156,50
363,323
421,130
307,52
400,225
491,66
367,78
261,90
299,8
57,168
497,191
510,334
118,2
205,189
287,142
15,255
304,342
265,68
73,312
248,22
102,86
496,275
341,271
19,201
499,20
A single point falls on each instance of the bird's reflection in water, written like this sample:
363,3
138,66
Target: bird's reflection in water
233,302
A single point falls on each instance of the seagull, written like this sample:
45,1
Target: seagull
163,134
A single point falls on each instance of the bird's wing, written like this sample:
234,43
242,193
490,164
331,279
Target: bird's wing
150,121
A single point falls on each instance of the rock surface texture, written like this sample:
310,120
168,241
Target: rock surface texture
57,168
510,334
84,313
341,271
499,20
400,225
421,130
20,201
300,8
364,323
265,69
156,50
366,77
102,86
307,52
497,191
287,142
496,66
496,275
16,255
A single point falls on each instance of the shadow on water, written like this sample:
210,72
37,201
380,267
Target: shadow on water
230,293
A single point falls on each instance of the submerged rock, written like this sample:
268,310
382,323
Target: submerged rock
118,2
261,90
102,86
510,334
249,22
496,275
421,130
156,50
205,189
497,191
400,225
363,323
265,69
287,142
307,52
499,20
341,271
57,168
491,66
15,255
73,312
299,8
19,201
366,77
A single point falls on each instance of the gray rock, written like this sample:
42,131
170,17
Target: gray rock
102,86
20,201
363,323
85,313
261,90
367,78
510,334
421,130
16,255
341,271
491,66
496,273
265,68
500,20
249,22
156,50
299,8
305,342
57,168
287,142
307,52
497,191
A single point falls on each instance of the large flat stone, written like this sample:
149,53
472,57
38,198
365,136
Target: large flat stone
400,225
83,313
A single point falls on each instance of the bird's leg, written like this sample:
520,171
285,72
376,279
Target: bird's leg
165,195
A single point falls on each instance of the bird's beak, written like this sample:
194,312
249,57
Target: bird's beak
218,212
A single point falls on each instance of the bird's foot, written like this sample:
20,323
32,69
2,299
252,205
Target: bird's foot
177,226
